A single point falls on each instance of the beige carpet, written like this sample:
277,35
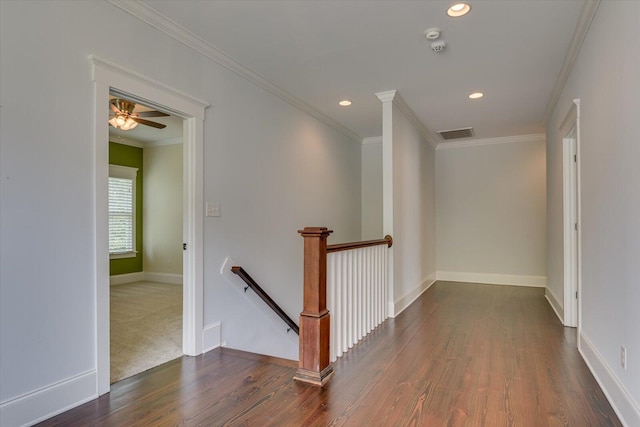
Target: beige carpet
146,327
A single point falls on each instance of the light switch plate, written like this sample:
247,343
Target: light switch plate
213,209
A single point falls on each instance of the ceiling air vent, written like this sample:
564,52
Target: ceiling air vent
456,133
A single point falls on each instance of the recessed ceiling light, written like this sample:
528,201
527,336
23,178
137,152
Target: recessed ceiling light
345,103
476,95
458,9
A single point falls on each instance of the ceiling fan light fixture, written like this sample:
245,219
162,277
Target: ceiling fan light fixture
458,9
129,124
120,120
126,119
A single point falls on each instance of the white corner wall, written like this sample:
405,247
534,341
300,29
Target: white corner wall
162,210
272,168
414,214
491,211
605,79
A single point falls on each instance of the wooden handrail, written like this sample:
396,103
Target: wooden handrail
388,240
265,297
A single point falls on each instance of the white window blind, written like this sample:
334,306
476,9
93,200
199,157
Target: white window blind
122,202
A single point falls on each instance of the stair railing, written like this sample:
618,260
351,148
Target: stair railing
356,297
265,297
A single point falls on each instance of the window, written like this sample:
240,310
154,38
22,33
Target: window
122,211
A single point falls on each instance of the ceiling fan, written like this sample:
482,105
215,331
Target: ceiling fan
126,119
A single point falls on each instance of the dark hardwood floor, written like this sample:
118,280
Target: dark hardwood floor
462,354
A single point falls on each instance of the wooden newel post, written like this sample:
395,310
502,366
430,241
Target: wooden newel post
314,366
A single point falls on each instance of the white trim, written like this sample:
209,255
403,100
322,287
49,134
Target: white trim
103,64
46,402
145,276
569,213
157,20
119,171
579,217
386,96
534,137
112,78
372,140
493,279
580,33
211,337
124,255
619,397
572,240
387,187
555,304
404,108
132,142
162,142
170,278
121,279
409,298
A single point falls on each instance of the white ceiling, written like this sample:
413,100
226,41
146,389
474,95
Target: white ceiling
324,51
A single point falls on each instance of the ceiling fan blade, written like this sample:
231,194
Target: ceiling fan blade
114,108
148,123
150,114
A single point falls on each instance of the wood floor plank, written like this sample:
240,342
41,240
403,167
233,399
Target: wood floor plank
461,355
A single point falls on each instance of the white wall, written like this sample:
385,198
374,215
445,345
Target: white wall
162,209
491,210
272,168
414,215
605,78
284,172
372,189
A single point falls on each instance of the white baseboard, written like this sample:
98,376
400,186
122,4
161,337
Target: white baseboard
493,279
211,337
39,405
173,279
623,404
122,279
555,304
402,303
142,276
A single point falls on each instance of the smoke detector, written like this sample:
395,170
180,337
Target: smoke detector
438,46
432,34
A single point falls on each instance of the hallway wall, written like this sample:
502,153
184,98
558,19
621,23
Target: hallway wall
491,210
273,168
414,211
605,79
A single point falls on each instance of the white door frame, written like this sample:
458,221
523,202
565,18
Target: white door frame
570,132
108,77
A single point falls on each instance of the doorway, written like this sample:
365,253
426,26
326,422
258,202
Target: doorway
109,78
145,238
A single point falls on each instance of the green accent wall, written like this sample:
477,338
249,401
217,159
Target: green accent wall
125,155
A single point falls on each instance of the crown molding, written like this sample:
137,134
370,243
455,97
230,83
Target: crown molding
157,20
404,108
372,140
582,28
387,95
398,101
163,142
105,64
534,137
